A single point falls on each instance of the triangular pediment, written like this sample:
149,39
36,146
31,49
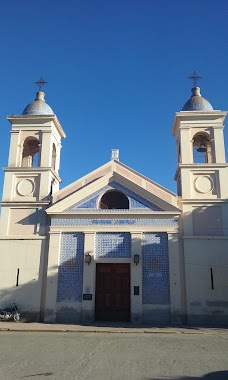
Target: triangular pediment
143,194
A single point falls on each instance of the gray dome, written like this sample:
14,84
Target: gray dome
38,107
197,102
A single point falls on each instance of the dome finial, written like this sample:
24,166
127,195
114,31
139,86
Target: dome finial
195,78
40,83
38,106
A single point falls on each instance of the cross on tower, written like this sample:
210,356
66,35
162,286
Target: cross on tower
40,83
195,78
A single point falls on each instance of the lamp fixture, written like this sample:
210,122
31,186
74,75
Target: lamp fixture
88,258
136,259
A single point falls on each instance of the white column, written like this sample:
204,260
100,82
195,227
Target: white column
186,145
88,305
14,149
46,150
52,278
219,146
175,279
136,278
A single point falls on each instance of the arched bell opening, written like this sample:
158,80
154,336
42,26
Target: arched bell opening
53,156
202,148
114,199
31,152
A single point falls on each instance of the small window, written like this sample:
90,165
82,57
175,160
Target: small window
179,153
31,152
114,199
53,157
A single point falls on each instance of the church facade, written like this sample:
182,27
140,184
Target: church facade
114,245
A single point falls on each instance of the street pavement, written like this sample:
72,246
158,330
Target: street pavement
36,351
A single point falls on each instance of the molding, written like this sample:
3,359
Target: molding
29,119
209,201
204,166
131,229
24,203
75,222
198,118
199,167
31,170
114,214
23,237
206,237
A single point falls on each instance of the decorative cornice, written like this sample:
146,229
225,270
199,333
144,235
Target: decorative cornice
15,119
24,203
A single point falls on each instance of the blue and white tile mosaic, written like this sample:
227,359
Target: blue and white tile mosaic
135,201
113,245
113,222
70,271
155,269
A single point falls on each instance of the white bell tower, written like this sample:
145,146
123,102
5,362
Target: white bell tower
31,176
202,187
201,168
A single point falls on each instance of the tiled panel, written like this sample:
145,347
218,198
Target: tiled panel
135,201
113,245
113,222
70,271
155,269
90,203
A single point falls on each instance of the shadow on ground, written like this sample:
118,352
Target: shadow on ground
219,375
131,325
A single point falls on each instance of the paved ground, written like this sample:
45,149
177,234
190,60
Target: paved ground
201,355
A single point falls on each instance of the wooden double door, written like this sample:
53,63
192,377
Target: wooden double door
112,301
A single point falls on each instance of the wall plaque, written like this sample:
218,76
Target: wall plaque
87,297
136,290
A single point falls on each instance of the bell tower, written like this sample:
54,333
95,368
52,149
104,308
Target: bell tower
202,190
202,170
201,167
32,174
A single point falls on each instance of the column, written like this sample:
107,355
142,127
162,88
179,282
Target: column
175,279
15,149
46,150
136,279
52,278
186,145
88,297
219,145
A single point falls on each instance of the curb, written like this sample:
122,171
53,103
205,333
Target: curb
30,327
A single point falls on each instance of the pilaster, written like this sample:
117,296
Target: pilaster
89,272
14,148
52,278
136,278
175,279
219,145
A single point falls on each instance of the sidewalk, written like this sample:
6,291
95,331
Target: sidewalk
109,328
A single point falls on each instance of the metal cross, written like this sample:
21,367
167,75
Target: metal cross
40,83
195,78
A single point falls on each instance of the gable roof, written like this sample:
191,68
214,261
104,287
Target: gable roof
113,171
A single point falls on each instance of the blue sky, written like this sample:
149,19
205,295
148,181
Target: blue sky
116,73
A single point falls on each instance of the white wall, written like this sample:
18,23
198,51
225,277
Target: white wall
204,304
29,257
